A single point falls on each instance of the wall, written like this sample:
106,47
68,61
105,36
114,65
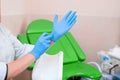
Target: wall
110,8
14,14
0,10
22,10
97,27
94,16
105,8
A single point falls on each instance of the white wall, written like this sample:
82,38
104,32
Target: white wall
13,14
110,8
13,7
17,13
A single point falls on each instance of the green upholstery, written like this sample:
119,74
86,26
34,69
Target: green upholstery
73,63
23,38
80,69
36,28
71,51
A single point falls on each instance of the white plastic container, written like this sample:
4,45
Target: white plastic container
48,67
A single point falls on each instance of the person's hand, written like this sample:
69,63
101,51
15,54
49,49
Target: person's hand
60,28
41,46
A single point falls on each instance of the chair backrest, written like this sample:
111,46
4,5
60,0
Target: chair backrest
36,28
67,43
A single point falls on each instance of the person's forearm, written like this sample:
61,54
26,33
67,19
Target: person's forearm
18,66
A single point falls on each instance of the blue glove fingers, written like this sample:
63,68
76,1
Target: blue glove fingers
67,15
72,20
71,16
54,37
48,36
46,44
55,18
47,41
44,34
72,23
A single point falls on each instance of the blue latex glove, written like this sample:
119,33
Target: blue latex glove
60,28
41,46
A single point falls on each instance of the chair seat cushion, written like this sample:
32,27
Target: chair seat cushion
80,69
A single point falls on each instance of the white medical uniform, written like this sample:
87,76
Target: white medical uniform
10,50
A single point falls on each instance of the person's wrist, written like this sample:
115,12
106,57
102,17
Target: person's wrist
32,56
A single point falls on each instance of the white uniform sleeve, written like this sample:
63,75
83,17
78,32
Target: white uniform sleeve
20,49
3,71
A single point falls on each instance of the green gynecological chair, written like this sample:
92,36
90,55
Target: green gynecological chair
73,63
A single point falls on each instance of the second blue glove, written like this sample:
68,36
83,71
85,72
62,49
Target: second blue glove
60,28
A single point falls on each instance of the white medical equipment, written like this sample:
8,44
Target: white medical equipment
110,63
115,54
48,67
109,58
